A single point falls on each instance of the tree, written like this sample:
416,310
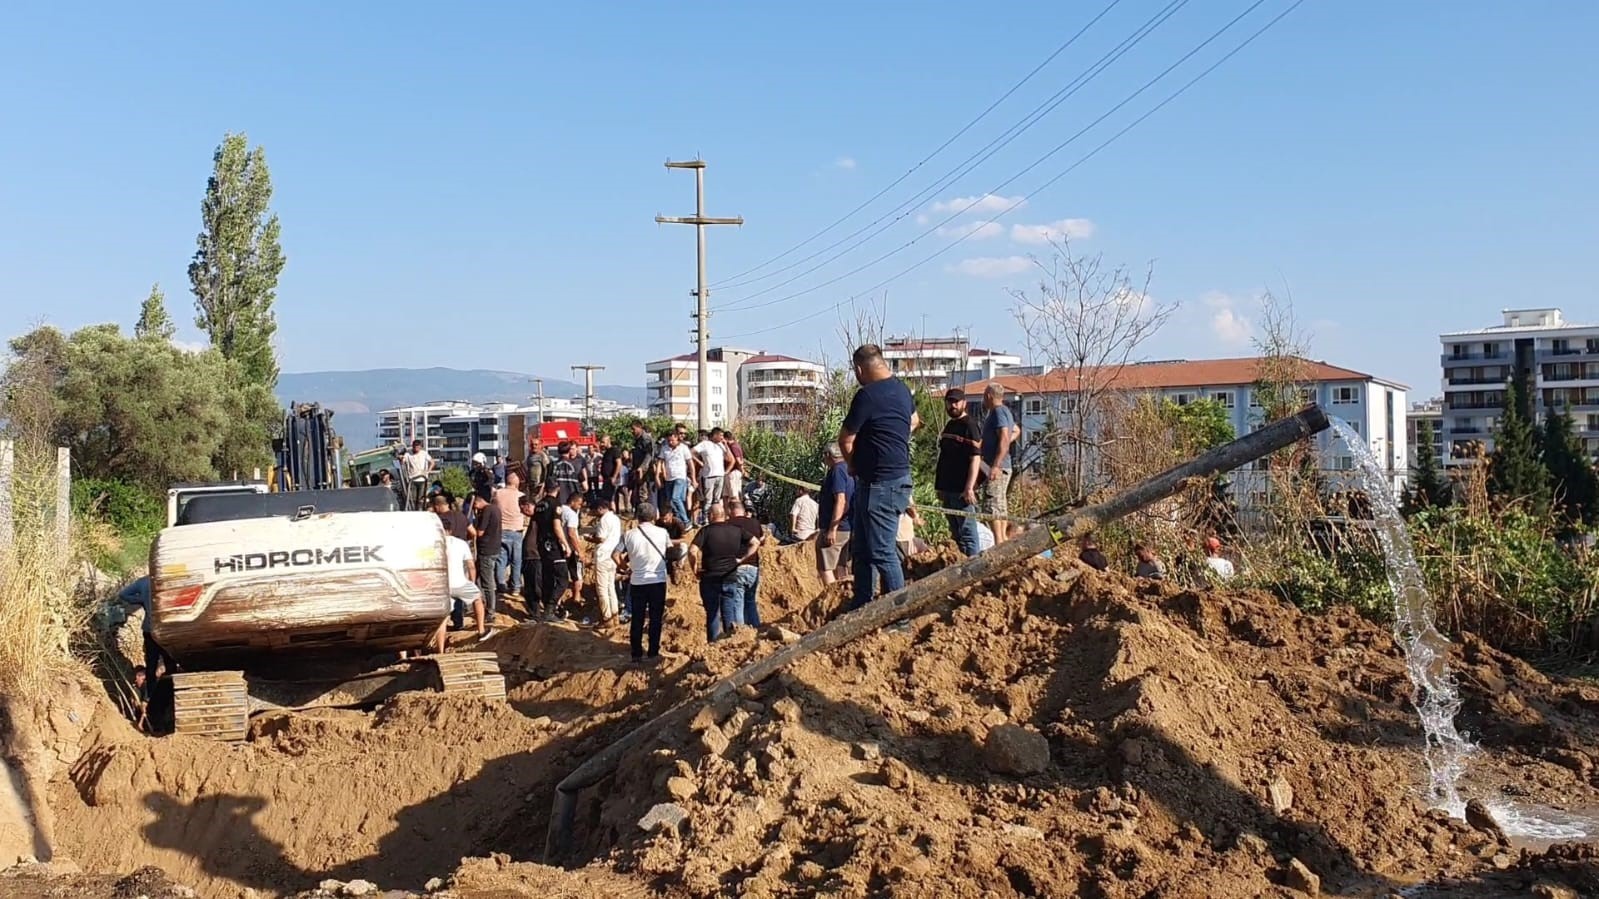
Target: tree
153,319
1516,471
235,270
1428,488
1571,472
1088,321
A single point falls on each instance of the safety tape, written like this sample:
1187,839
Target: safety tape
981,516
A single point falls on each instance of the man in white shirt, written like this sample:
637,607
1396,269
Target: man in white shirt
571,517
644,548
417,466
607,535
713,466
802,517
1221,567
676,464
462,583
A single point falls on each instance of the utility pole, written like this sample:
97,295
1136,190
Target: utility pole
588,390
702,315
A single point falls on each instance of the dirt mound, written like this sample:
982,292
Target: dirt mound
1041,739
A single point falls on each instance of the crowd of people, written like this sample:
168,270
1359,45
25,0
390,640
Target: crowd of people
522,534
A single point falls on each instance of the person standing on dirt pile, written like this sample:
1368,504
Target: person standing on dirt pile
959,465
734,482
454,523
137,593
488,551
564,474
642,463
802,517
675,468
549,533
833,560
610,470
508,562
876,440
537,465
417,465
532,571
571,513
712,456
1219,566
749,573
1092,556
607,535
723,546
1149,564
643,551
677,550
463,592
999,430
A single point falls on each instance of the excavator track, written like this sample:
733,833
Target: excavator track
470,674
211,704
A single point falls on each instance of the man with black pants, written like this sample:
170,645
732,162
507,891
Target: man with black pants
489,531
642,465
532,570
876,440
959,462
549,536
643,551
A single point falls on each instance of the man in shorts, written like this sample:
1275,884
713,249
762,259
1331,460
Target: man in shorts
832,540
999,430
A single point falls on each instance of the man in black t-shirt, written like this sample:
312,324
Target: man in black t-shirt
642,465
610,467
749,574
565,475
549,535
487,523
723,546
959,461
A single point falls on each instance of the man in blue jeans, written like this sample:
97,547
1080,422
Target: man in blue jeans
722,547
876,440
676,468
955,478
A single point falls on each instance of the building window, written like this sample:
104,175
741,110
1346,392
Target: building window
1033,407
1343,463
1490,351
1458,351
1223,398
716,390
1354,426
1254,399
1345,396
1183,399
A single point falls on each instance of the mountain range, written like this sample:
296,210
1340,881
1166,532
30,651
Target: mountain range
356,397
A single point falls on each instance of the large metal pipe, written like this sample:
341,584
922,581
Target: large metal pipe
915,597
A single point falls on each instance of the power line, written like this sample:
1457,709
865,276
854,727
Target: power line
736,307
965,166
929,157
1047,184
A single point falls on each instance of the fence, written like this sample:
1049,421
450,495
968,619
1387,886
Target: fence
63,497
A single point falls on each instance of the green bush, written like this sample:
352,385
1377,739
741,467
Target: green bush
130,509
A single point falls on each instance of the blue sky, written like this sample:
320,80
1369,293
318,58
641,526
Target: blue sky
1400,168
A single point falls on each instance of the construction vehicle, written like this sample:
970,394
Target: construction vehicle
300,598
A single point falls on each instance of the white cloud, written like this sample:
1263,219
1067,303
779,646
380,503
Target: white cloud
1063,229
847,163
1230,326
972,230
987,204
992,266
190,346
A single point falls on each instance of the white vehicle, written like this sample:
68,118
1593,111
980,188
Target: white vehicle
178,495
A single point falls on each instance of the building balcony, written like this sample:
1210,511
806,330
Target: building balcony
1451,360
1477,405
1457,383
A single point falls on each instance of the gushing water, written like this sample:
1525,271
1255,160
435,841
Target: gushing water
1415,627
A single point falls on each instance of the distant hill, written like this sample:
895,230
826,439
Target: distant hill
357,396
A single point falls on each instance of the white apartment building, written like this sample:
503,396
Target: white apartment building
1430,412
453,430
1373,407
673,385
934,363
776,391
422,422
1560,360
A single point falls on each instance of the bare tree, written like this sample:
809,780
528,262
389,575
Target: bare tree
1087,320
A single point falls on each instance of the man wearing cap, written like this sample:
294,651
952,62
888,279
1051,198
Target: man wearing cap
416,465
508,563
876,442
1219,566
955,477
564,474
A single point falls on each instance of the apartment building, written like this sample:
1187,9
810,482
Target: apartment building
1431,413
1559,359
673,385
1374,408
936,363
775,391
422,422
452,431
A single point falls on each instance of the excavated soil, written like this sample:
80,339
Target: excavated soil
1051,733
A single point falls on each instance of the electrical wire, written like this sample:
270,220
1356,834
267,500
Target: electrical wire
926,159
1047,184
965,166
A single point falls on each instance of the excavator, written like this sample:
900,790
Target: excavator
300,595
